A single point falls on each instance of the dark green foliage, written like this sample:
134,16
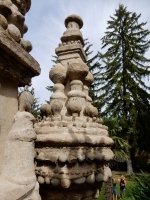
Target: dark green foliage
54,60
49,88
123,92
141,190
120,147
35,110
93,62
113,125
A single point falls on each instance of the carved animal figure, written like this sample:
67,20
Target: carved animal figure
26,101
45,110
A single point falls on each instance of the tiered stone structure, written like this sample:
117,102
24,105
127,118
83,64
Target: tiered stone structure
73,148
17,67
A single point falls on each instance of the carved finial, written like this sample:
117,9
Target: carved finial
73,24
26,101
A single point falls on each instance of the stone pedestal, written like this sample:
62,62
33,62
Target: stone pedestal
8,108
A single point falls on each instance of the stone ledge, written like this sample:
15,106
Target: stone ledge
13,54
70,49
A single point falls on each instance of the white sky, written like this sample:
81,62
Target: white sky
45,22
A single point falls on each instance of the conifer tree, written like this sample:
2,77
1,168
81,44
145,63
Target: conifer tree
124,93
93,62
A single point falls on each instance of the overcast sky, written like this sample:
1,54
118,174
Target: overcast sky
45,21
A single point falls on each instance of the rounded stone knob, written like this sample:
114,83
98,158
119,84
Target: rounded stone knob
56,108
77,71
74,18
74,105
3,22
47,180
65,183
58,74
90,178
25,28
41,180
26,44
91,110
55,182
88,79
14,32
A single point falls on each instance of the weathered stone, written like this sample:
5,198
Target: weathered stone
47,180
26,100
55,182
3,22
41,180
80,180
90,179
17,136
16,64
56,107
65,183
79,145
99,177
14,32
58,73
62,157
45,110
26,44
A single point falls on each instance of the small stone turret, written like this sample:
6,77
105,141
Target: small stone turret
73,148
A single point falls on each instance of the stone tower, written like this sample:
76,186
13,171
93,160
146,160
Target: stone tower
17,136
73,148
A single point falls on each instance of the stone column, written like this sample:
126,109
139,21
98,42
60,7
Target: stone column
8,108
17,67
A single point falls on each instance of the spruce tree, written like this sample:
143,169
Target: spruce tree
93,62
124,93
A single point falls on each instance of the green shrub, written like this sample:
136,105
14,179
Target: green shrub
141,190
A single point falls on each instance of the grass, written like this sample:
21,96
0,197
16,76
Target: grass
129,184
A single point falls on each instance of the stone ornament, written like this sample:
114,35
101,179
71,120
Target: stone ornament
73,148
18,180
12,18
26,101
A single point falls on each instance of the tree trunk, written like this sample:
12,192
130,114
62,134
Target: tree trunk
108,189
129,164
129,167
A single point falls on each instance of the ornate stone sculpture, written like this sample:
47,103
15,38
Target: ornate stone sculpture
18,180
12,19
17,66
17,136
72,145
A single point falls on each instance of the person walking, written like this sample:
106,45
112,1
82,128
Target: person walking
122,186
114,189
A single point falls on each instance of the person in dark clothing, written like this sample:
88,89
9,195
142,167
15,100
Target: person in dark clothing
122,186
